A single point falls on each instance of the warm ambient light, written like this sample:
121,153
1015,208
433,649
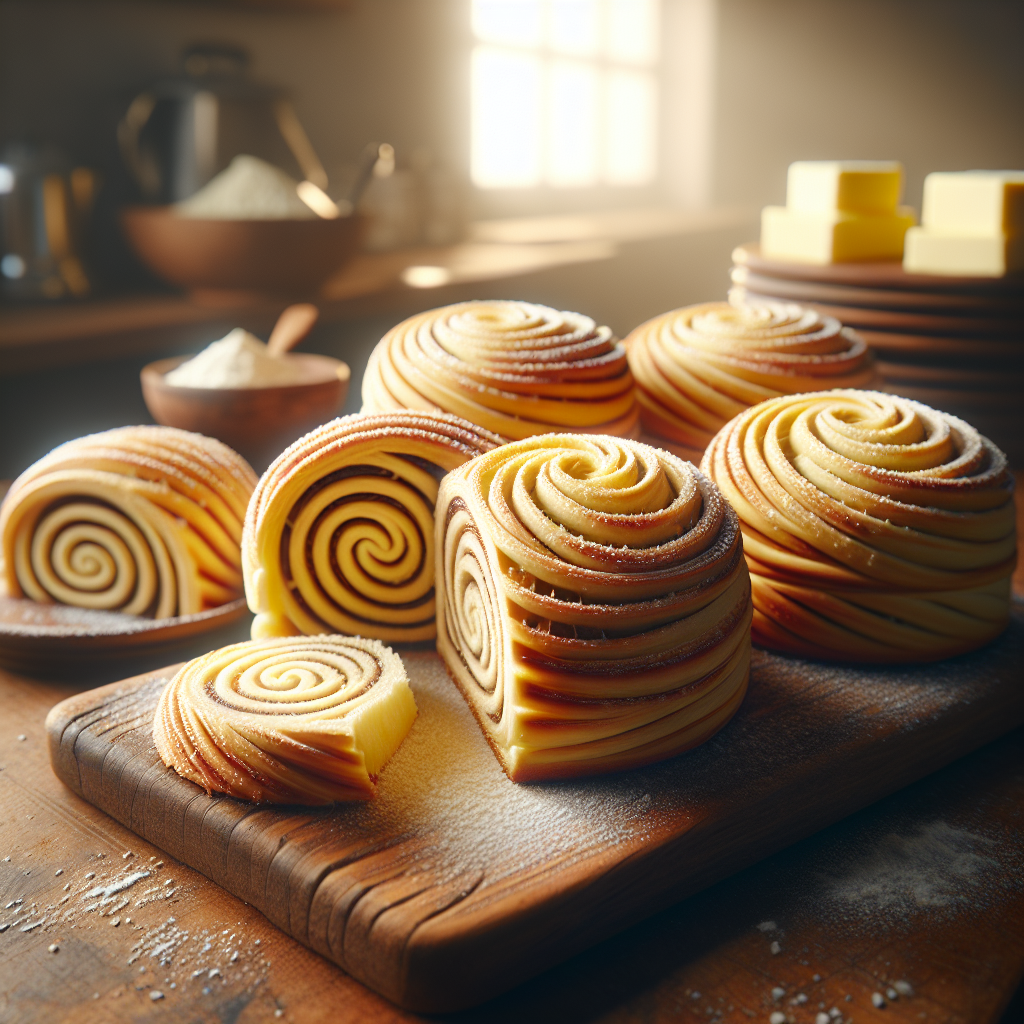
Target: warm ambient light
426,277
318,200
563,93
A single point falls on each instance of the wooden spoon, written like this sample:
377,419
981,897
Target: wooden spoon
292,326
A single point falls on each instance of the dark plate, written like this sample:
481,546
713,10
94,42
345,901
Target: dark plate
51,639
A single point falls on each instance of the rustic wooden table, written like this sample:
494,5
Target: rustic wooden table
915,902
908,911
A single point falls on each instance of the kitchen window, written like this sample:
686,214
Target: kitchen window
564,93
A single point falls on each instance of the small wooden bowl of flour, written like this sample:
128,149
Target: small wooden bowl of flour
253,402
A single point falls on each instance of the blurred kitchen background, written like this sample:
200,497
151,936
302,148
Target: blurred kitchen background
597,155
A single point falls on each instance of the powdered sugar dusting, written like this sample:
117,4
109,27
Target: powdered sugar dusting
445,782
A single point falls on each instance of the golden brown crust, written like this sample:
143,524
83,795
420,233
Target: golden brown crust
596,605
699,366
143,520
306,720
339,534
514,368
875,528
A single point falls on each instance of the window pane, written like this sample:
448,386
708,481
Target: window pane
632,31
572,106
506,109
630,131
512,22
574,26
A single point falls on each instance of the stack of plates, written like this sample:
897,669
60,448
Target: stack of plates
955,343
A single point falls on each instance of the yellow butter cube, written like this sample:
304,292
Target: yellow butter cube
835,237
974,203
932,252
857,186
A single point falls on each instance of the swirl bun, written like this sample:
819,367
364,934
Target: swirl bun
875,528
512,367
698,367
141,520
306,720
340,531
596,605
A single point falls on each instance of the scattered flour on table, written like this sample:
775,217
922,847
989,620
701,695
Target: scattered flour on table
937,867
165,956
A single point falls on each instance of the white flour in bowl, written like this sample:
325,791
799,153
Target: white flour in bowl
248,189
239,360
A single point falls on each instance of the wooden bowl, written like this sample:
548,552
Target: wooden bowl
259,423
284,257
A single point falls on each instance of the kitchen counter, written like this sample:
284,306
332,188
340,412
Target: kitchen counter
502,257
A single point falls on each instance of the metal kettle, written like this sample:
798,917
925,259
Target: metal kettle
45,205
176,135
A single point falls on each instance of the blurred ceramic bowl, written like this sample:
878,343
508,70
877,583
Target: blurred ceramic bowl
259,423
283,257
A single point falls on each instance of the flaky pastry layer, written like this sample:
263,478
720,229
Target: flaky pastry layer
875,528
699,366
339,535
596,607
514,368
142,520
304,720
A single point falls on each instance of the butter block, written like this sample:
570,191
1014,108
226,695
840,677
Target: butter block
857,186
833,237
933,252
983,204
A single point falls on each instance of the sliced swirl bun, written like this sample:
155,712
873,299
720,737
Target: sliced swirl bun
512,367
876,529
339,536
141,520
596,606
306,720
698,367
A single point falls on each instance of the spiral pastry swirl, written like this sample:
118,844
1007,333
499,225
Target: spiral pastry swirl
141,520
515,368
875,528
696,368
339,536
306,720
596,605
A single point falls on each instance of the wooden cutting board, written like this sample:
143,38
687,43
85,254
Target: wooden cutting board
455,884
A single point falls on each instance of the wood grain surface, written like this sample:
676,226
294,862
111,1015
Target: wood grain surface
456,884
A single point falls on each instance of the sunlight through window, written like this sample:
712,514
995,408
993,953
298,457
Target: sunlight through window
563,92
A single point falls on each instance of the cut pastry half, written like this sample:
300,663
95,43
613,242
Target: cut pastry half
304,720
596,607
